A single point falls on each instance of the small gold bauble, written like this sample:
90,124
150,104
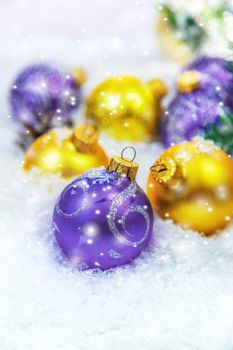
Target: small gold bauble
192,184
66,151
126,108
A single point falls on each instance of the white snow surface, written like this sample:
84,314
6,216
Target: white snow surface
179,293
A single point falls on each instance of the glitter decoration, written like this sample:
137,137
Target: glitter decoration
114,254
102,220
99,176
118,200
191,114
42,97
70,192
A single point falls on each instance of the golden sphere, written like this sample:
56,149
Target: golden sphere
126,107
66,151
192,184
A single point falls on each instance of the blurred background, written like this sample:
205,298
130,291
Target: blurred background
105,36
189,278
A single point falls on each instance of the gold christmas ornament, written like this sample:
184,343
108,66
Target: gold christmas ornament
126,108
192,184
69,152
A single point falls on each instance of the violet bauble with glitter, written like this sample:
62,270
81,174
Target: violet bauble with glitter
194,112
43,97
102,220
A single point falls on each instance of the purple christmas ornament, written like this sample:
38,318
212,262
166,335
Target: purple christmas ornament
194,113
42,97
102,220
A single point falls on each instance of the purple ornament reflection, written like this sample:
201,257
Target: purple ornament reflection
42,97
190,113
102,221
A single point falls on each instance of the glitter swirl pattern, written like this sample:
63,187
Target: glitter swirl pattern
81,184
104,220
118,200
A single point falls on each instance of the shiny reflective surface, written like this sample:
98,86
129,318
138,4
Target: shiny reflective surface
201,197
126,107
102,220
55,152
197,112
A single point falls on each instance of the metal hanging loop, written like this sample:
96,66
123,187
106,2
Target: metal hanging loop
134,153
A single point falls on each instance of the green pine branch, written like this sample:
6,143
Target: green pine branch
221,133
186,27
229,65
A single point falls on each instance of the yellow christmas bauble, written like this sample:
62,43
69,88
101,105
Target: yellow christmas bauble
69,152
192,184
126,107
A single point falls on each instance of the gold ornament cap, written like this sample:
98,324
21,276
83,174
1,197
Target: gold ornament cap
158,88
188,81
124,166
85,138
79,75
167,171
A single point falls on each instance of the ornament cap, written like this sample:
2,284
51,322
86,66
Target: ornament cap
158,88
124,166
79,75
188,81
167,171
85,138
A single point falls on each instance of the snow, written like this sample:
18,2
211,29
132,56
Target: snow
178,293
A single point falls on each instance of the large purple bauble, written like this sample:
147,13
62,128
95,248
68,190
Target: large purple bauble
42,97
102,220
190,113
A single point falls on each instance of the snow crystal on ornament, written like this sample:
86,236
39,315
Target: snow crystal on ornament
116,203
99,176
69,191
114,254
